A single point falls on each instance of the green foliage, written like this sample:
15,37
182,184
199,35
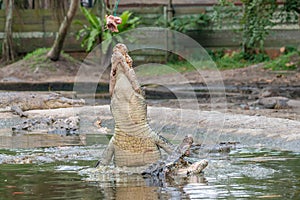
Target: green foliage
256,22
185,23
289,61
255,19
225,60
225,13
95,32
292,6
231,61
234,60
255,57
128,21
37,54
168,68
289,11
290,49
90,33
38,58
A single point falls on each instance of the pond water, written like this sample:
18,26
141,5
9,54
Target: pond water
67,173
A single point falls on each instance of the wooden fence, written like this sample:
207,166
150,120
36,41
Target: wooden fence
37,28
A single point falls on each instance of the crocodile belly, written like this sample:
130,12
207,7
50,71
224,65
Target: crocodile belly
134,150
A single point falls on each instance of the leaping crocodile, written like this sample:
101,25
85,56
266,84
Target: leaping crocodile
20,102
134,143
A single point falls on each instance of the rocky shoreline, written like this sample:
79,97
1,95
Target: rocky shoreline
205,126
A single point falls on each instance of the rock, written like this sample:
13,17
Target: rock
271,103
274,102
51,125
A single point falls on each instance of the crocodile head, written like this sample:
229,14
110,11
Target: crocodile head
57,101
121,48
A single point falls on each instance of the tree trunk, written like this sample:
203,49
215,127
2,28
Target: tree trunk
56,49
7,44
298,11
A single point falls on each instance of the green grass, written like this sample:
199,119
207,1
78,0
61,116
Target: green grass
37,54
228,62
160,69
7,152
223,61
38,58
220,60
172,67
290,61
236,59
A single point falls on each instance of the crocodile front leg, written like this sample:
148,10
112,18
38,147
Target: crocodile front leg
17,110
162,142
108,154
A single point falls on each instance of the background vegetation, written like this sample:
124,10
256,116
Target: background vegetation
253,19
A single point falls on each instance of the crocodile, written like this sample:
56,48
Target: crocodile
134,143
18,102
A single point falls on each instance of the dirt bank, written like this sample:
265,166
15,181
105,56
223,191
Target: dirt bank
206,126
254,77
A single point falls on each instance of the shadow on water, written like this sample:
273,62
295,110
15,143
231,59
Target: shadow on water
66,173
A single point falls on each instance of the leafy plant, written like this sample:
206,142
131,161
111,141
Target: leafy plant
289,49
290,11
225,13
289,61
255,20
38,58
185,23
90,34
95,32
168,68
256,23
236,59
128,22
38,53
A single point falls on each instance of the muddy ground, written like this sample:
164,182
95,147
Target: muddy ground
242,86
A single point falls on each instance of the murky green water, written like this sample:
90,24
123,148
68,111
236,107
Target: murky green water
63,173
